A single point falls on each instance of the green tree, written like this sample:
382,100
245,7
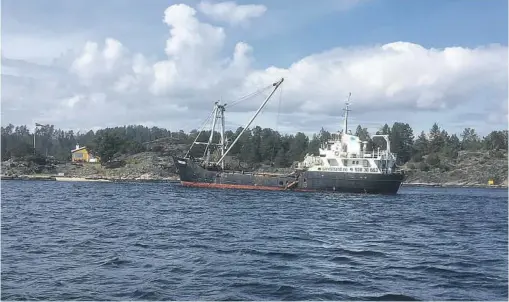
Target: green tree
379,142
402,139
281,160
420,147
269,144
314,145
324,136
298,147
452,147
108,144
384,130
496,140
436,139
470,140
362,133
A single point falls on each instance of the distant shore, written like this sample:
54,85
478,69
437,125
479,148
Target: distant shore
176,179
452,185
86,179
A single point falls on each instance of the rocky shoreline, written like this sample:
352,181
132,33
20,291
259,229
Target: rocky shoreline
86,179
469,171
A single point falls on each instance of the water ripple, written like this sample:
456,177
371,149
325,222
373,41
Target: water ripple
132,241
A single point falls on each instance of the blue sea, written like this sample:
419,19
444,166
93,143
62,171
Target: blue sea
161,241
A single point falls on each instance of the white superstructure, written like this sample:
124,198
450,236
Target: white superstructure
345,152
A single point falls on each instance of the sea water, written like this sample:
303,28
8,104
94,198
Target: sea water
161,241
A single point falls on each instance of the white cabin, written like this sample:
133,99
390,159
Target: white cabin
347,153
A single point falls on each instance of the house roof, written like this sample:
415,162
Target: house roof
81,148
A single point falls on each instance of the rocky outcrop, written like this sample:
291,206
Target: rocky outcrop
469,169
28,166
141,166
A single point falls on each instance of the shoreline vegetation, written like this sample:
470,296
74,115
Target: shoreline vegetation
143,154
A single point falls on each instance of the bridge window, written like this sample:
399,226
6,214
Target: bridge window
333,162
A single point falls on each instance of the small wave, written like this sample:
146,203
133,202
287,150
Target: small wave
36,251
221,251
285,289
342,259
248,284
367,253
391,297
87,242
336,282
435,269
141,245
115,261
200,246
179,270
144,295
283,255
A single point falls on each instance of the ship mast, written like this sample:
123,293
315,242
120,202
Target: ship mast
222,143
218,114
345,122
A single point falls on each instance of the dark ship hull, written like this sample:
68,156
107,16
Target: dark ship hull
194,175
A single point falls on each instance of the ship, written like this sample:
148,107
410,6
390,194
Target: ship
344,163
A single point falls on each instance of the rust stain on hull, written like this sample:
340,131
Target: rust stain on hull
241,187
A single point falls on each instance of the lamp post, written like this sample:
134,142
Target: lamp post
35,130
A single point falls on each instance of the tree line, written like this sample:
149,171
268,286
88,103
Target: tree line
256,146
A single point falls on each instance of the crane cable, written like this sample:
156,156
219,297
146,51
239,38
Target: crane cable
277,123
248,96
201,130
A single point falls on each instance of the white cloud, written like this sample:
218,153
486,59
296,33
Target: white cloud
231,12
39,47
394,75
93,62
194,56
106,84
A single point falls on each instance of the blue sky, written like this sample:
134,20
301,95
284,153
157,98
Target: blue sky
430,23
40,32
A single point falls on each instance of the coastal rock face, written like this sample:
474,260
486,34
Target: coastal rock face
141,166
28,166
469,169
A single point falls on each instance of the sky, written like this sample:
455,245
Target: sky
91,64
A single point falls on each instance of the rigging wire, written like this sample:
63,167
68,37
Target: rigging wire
201,130
241,99
248,96
279,107
277,123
